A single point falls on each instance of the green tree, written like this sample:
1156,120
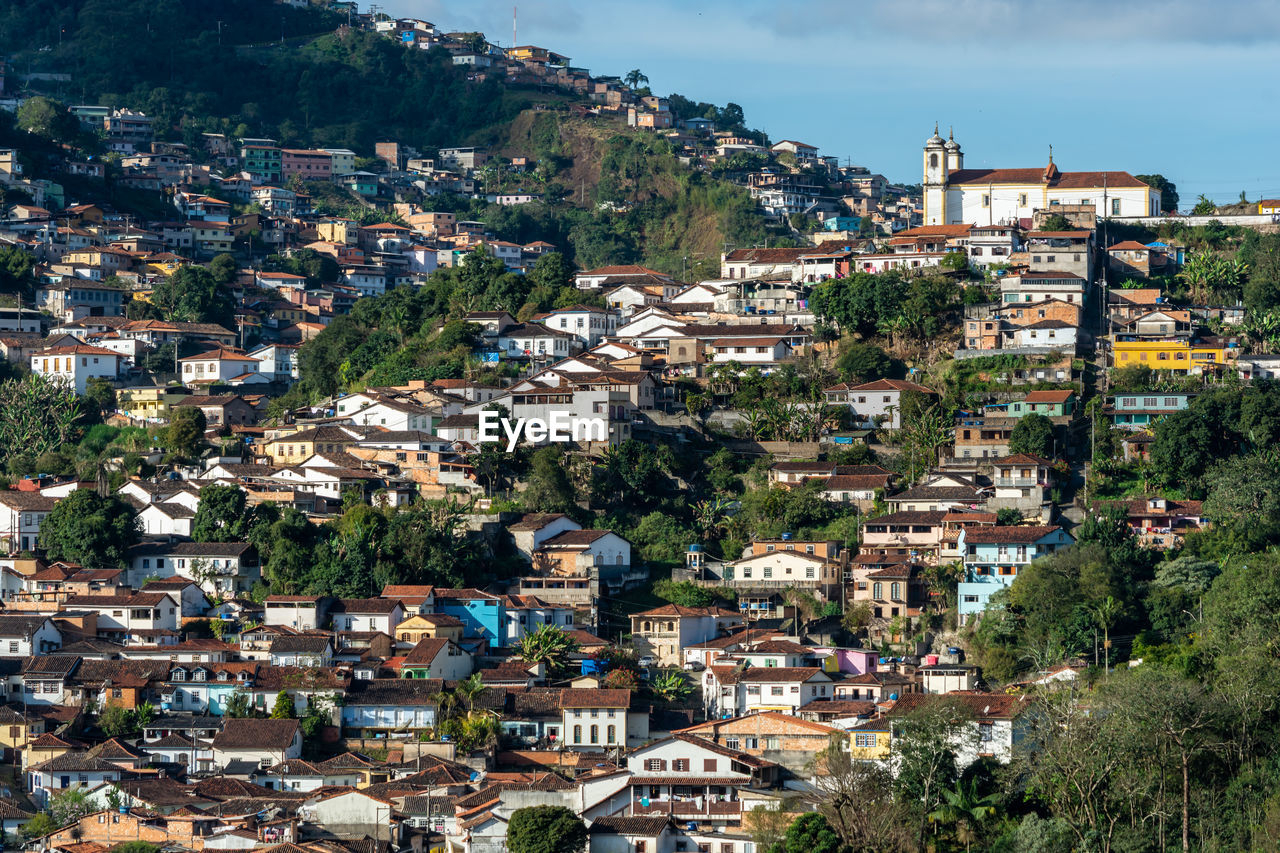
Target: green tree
193,295
1167,188
810,833
238,705
1033,434
46,117
548,488
69,806
39,826
683,593
116,721
16,270
546,829
925,747
860,361
37,415
223,515
283,708
548,645
1055,222
185,434
91,530
670,685
1204,207
634,78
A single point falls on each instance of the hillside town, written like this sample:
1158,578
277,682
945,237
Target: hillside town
346,511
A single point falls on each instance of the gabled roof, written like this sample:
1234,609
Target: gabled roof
649,826
248,733
1009,535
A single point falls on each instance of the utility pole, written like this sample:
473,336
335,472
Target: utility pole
514,40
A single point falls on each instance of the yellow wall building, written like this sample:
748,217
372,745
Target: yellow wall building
1180,356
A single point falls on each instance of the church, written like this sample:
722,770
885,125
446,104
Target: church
954,195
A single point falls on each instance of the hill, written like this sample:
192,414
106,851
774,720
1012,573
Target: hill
244,68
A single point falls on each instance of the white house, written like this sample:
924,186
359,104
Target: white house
257,741
664,631
278,361
595,718
130,614
25,636
726,689
763,350
367,614
586,323
874,403
166,518
391,703
21,514
534,340
219,568
437,658
218,365
76,769
76,365
368,409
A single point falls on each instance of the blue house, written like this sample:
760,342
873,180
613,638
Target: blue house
483,616
1141,410
993,556
841,223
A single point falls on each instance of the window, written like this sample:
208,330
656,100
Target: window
640,846
985,732
13,647
577,734
864,741
768,572
775,691
680,765
808,572
654,765
731,743
708,765
1022,199
986,200
595,734
612,732
1115,207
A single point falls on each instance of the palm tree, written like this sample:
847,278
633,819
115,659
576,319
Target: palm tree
1105,614
547,645
634,78
469,688
964,810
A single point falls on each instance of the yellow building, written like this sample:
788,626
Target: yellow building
164,263
870,743
415,629
150,404
344,231
300,446
1177,355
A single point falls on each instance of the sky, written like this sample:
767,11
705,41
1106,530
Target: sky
1181,88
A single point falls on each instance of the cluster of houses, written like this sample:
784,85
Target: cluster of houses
208,764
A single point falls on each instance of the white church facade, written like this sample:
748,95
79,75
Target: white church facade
954,195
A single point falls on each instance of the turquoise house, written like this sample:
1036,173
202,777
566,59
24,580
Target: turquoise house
1138,411
483,616
993,555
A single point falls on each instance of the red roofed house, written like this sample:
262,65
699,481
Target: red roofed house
76,365
1132,258
878,402
219,365
664,631
954,194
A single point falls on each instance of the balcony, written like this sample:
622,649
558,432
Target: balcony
1018,482
688,808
